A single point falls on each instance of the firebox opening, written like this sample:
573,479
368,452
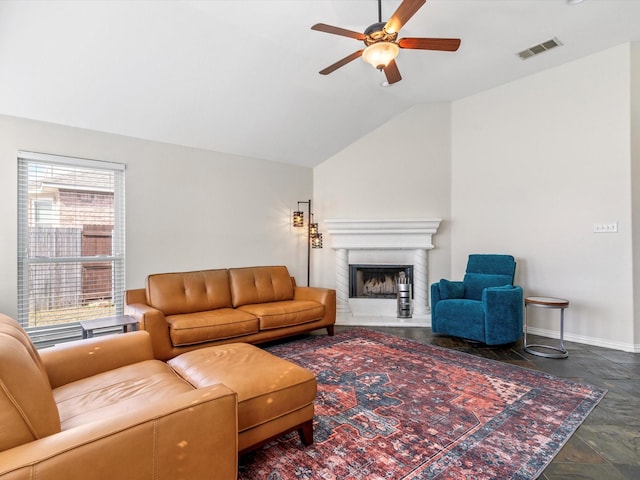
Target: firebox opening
377,281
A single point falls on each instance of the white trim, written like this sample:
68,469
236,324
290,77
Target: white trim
596,342
71,161
382,233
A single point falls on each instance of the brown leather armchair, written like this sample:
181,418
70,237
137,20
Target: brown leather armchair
104,408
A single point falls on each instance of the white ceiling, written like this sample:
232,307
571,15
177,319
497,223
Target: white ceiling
242,77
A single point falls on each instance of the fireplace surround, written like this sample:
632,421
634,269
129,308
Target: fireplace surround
381,241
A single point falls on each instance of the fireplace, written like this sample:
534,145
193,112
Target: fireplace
378,281
385,242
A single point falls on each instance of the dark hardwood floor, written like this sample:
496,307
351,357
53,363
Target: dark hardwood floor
607,445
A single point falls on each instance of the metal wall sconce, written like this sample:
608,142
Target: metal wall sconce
314,237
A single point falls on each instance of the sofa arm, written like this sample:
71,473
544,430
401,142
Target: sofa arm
68,362
326,296
189,436
153,321
435,297
322,295
503,314
135,295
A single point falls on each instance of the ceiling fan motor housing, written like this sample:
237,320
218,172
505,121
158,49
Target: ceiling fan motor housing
376,33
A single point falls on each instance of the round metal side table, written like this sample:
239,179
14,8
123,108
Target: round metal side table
546,302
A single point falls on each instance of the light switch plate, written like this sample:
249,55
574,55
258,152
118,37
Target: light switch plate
605,227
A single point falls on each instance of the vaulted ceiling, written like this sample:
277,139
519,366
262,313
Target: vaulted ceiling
241,76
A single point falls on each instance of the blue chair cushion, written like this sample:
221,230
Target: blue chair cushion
460,318
491,263
450,289
475,283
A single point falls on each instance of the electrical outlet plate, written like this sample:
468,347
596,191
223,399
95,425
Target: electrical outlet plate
605,227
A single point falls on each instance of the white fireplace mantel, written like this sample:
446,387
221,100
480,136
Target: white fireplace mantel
382,234
413,237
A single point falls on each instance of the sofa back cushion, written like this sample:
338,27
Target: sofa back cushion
251,285
27,408
189,292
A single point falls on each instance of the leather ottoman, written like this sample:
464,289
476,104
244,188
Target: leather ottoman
275,396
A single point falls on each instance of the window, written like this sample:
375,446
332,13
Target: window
43,211
70,240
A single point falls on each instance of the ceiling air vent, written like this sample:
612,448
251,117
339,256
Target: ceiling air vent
541,47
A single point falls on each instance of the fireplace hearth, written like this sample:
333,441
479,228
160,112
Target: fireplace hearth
377,281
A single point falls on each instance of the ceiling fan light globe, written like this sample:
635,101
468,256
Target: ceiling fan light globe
380,54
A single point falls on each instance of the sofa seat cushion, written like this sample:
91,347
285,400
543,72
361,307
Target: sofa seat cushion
284,314
192,328
268,387
116,391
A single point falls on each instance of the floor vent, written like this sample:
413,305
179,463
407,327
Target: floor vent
537,49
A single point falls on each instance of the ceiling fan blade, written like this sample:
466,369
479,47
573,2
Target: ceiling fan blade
323,27
341,63
405,11
392,73
444,44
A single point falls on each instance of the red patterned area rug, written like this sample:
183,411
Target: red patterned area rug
390,408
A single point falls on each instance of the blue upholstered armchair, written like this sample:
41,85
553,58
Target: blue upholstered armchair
485,306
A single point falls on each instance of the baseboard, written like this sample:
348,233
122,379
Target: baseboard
424,321
596,342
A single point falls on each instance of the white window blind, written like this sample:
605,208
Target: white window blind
70,240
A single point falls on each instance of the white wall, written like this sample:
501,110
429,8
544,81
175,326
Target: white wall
185,208
535,163
402,170
635,181
525,168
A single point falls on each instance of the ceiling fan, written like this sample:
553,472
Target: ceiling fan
381,43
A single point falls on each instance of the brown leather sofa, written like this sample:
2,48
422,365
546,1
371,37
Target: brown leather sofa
190,310
105,409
